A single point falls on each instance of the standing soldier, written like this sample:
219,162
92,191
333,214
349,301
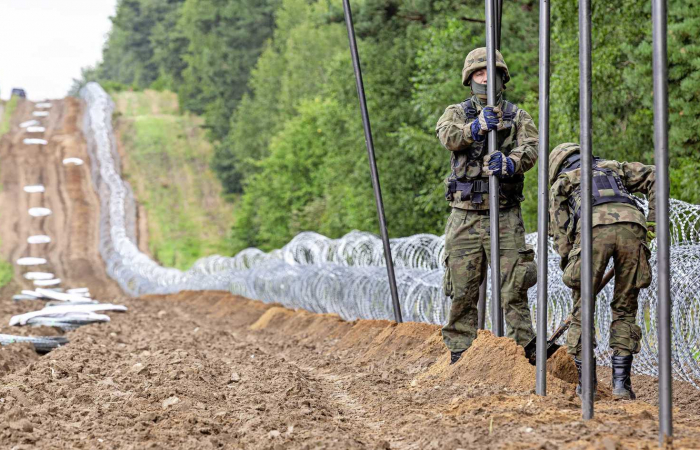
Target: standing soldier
620,232
464,130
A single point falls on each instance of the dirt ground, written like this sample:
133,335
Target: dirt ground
201,370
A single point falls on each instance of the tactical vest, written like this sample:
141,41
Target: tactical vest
606,186
466,164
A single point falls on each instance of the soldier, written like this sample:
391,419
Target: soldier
620,232
463,130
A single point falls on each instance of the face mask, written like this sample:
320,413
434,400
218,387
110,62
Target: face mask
479,89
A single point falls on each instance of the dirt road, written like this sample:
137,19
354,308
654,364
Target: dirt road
201,370
73,225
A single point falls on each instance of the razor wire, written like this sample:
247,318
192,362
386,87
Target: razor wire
346,276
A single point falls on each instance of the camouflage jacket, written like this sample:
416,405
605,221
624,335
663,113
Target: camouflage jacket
519,142
636,177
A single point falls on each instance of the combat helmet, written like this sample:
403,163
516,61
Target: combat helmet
556,159
476,60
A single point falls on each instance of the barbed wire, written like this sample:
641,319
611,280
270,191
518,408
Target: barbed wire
346,276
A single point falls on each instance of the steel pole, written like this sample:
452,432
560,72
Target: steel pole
499,20
543,202
496,311
658,17
587,298
372,161
481,306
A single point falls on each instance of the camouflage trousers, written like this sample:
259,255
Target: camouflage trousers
625,243
467,252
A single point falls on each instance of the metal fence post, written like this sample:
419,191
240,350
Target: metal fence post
543,202
372,161
659,18
496,311
499,20
587,298
481,306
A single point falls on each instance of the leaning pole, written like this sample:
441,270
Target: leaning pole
372,161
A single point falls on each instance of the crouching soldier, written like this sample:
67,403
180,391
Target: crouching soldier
620,232
464,130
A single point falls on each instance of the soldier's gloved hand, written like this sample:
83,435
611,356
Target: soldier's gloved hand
651,231
499,165
489,119
476,131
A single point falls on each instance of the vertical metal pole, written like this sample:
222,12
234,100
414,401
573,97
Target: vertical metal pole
543,202
499,20
481,306
587,299
496,311
658,17
372,162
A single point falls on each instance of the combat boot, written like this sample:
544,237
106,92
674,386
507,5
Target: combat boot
579,388
621,381
454,356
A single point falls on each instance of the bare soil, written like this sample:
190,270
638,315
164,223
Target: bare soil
200,370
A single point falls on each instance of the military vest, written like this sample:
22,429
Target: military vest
606,187
466,176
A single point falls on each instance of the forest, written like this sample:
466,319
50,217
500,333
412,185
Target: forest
274,84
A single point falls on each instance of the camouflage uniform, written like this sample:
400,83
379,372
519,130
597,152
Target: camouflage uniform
467,237
619,232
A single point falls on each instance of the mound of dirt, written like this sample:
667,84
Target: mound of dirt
499,360
15,356
499,363
272,318
561,365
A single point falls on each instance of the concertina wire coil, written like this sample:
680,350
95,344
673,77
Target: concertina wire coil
347,276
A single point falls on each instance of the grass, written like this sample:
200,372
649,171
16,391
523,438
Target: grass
6,117
6,270
167,164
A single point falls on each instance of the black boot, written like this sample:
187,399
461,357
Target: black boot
621,381
579,388
454,356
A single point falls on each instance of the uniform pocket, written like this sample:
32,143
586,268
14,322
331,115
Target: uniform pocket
572,271
526,269
447,277
642,278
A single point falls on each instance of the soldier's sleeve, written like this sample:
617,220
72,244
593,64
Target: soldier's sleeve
453,131
525,154
642,178
559,216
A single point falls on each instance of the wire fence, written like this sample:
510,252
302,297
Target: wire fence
347,276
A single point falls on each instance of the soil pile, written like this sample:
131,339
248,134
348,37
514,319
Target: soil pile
561,365
496,362
15,356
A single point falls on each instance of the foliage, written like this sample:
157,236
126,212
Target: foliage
6,117
225,40
6,273
166,163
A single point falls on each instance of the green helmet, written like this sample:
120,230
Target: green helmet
558,156
476,60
